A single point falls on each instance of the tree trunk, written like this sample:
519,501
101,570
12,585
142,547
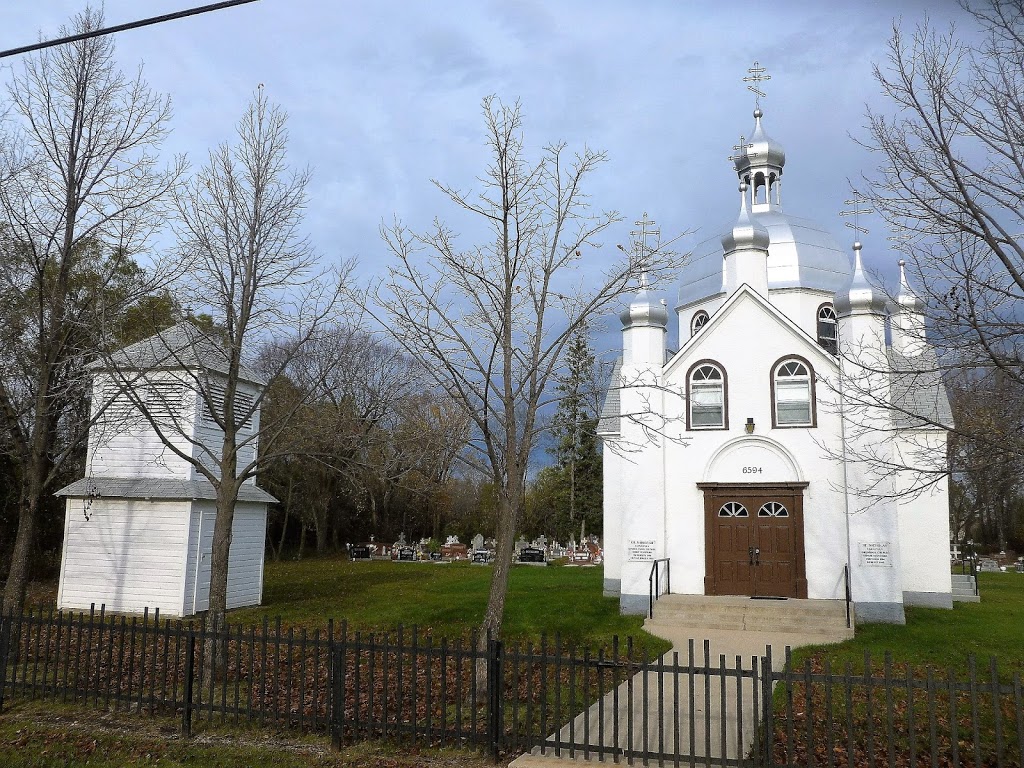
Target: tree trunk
17,576
215,648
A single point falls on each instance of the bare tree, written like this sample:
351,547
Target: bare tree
950,186
247,264
81,195
490,322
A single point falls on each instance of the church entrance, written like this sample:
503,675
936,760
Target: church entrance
754,539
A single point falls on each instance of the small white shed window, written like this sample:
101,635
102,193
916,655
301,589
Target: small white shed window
793,394
707,397
827,337
700,319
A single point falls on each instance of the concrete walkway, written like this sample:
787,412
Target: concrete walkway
716,728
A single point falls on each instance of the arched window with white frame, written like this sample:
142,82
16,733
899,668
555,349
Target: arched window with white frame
700,319
707,404
828,337
793,393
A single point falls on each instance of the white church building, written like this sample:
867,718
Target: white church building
138,528
751,458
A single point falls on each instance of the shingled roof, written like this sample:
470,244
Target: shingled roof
917,392
154,488
181,346
611,417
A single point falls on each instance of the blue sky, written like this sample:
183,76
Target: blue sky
384,96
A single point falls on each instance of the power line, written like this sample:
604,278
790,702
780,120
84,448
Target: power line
123,27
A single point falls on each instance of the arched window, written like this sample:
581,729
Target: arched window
700,318
772,509
827,336
707,403
793,393
733,509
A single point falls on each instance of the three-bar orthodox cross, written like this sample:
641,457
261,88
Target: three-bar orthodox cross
640,243
858,207
757,75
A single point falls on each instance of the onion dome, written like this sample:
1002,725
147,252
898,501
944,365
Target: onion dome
907,299
644,312
761,151
747,233
860,295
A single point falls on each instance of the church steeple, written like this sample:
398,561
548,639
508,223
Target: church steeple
759,162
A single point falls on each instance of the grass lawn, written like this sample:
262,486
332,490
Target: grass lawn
448,598
944,639
49,735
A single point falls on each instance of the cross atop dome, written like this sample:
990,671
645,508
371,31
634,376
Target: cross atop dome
758,162
757,75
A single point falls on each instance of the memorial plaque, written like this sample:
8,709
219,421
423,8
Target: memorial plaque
875,554
640,550
435,556
481,556
407,554
360,552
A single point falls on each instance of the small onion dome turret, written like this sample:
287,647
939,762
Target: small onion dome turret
760,151
907,299
643,312
747,233
860,295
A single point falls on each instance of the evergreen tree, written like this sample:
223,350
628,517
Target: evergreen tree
575,480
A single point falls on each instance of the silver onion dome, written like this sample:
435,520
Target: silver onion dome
860,295
760,151
643,312
907,298
747,233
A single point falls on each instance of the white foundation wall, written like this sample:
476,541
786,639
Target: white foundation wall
924,521
245,562
126,554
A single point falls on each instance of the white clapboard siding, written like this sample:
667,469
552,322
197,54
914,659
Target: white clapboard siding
245,563
123,443
126,554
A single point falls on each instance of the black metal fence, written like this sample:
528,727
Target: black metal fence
610,705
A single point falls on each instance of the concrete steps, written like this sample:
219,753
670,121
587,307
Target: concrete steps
824,618
964,589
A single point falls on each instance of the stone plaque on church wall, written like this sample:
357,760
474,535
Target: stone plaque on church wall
875,554
640,550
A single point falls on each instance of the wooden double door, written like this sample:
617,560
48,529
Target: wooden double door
754,536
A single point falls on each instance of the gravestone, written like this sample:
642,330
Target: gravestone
481,556
477,543
435,556
360,552
531,555
406,554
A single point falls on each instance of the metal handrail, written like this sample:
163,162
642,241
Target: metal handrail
653,585
846,577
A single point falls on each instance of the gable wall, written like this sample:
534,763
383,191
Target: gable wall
747,341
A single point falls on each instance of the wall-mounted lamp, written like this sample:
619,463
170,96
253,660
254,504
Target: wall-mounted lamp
750,426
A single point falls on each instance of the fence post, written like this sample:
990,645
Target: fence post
768,716
190,654
494,660
337,687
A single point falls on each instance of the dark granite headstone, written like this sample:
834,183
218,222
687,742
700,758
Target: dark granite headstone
531,555
481,556
435,556
407,554
360,552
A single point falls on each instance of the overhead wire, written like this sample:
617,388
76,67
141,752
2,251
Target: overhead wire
123,27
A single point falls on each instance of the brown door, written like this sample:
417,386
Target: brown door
754,539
